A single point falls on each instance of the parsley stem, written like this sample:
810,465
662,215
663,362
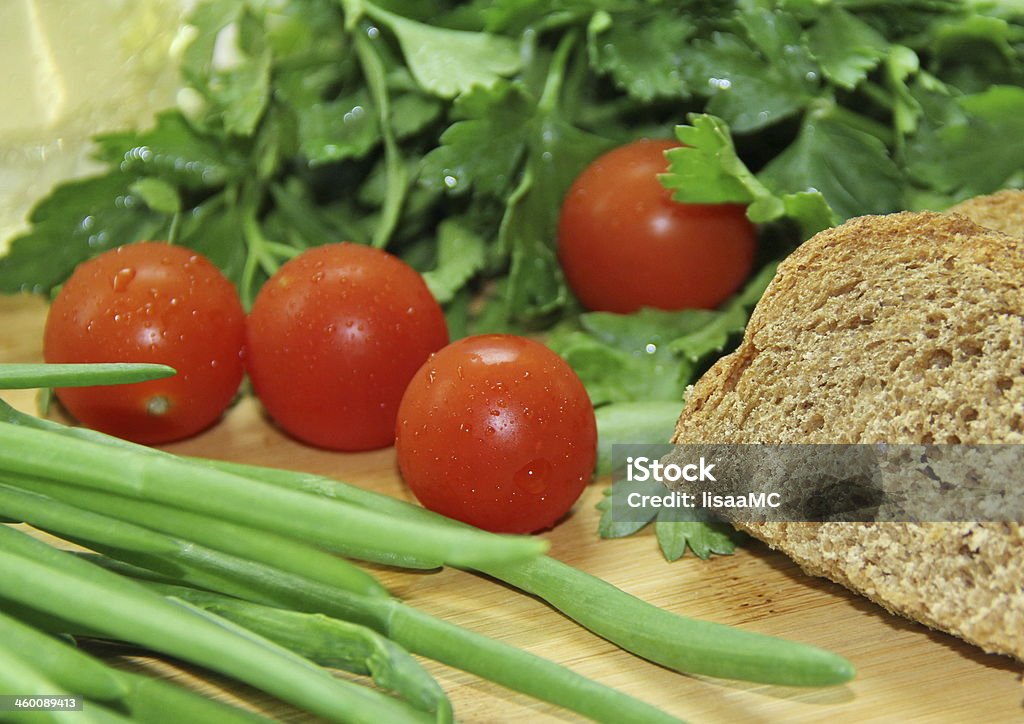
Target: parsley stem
285,251
556,73
396,174
258,256
878,94
175,229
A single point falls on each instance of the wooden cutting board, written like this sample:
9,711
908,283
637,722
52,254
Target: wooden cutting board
905,670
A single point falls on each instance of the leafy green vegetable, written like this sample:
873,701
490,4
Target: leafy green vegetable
631,422
633,50
707,170
651,354
760,76
846,47
308,121
674,530
635,357
448,62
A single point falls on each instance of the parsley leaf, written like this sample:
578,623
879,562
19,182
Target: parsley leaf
483,149
157,195
714,336
633,50
228,65
651,354
758,78
846,47
707,170
460,255
78,220
704,536
849,167
449,62
174,151
558,152
337,130
962,149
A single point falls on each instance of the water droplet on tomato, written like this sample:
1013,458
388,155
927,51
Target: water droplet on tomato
148,337
158,405
122,278
532,477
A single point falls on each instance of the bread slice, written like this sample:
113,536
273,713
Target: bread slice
907,328
1002,211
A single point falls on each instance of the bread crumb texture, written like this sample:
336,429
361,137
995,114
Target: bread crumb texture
906,328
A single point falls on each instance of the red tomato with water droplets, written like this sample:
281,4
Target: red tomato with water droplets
149,302
625,244
333,339
497,431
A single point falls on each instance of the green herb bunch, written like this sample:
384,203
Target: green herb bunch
448,132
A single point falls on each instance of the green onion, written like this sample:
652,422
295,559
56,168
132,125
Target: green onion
329,642
141,697
274,550
176,561
449,644
40,576
68,668
180,483
28,376
21,677
679,643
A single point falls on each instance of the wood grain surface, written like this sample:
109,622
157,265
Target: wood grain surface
905,671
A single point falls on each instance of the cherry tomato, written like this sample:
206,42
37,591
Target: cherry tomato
333,339
150,302
497,431
625,244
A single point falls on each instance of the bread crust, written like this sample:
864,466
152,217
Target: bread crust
1002,211
904,328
